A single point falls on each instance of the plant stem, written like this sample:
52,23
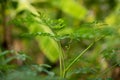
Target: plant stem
61,60
69,66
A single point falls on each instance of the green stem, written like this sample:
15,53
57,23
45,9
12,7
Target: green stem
69,66
61,60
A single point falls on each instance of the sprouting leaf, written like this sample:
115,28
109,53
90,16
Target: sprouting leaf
53,24
71,7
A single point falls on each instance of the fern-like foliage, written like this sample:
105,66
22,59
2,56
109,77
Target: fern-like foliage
112,55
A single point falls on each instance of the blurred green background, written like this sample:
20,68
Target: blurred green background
34,34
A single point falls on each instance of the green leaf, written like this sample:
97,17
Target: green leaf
26,5
47,44
71,7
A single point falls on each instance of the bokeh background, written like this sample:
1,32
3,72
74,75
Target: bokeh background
29,52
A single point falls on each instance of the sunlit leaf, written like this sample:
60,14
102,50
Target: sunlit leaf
71,7
26,5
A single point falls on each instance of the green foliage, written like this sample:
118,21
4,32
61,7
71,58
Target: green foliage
45,31
31,72
89,46
55,25
4,65
112,55
40,27
46,37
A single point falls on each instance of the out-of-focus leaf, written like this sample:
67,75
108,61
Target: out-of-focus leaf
48,45
114,18
71,7
26,5
65,31
6,52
